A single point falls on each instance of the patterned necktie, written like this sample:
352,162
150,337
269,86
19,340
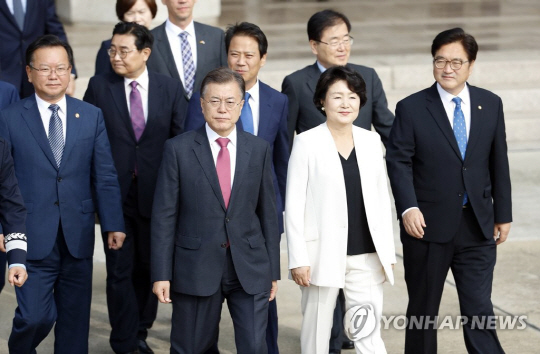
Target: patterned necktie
18,13
137,112
247,116
223,168
460,132
56,134
187,61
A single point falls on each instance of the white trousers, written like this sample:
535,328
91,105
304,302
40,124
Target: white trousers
364,276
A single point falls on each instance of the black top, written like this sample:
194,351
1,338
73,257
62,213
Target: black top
359,237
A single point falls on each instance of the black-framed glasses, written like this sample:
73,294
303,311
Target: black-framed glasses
455,64
46,71
346,41
230,104
123,53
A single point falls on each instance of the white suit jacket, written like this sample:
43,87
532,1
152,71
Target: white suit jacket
316,221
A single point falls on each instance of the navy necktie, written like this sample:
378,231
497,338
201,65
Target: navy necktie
460,132
18,13
56,134
247,116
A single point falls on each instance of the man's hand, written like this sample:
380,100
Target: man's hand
273,291
71,86
2,246
17,276
162,291
301,275
116,240
500,232
414,223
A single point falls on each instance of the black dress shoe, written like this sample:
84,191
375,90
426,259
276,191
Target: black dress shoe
335,352
347,344
144,348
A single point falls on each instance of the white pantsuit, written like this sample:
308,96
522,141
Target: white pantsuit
316,225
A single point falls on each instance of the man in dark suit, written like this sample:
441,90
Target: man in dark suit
184,49
448,167
21,23
66,172
215,232
247,46
137,148
331,42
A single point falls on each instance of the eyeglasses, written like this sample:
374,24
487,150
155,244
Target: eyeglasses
346,41
455,64
123,53
229,103
61,71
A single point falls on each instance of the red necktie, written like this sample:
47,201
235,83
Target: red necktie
223,168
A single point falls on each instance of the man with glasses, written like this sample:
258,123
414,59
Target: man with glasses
142,109
66,173
215,231
330,41
448,167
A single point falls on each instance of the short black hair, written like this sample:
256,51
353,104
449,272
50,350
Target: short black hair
249,30
48,41
456,35
324,19
223,75
354,81
143,36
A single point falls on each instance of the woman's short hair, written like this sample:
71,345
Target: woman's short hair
354,81
123,6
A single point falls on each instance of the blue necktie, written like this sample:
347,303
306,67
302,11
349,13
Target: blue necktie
460,132
247,116
187,62
56,135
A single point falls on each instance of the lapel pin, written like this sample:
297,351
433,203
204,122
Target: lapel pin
77,115
479,107
202,42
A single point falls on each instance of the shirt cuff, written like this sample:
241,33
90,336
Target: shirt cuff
406,210
17,265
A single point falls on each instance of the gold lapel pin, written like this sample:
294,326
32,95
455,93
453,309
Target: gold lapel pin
202,42
479,107
77,115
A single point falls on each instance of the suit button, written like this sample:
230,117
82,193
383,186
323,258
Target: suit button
227,219
224,245
56,203
137,146
59,179
460,195
464,168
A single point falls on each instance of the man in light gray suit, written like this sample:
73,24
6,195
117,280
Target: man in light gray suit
184,49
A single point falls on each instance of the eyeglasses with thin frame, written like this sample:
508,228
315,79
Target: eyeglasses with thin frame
61,71
346,41
229,103
123,53
455,64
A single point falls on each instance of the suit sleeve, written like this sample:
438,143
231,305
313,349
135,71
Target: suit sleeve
266,211
194,116
399,154
89,93
382,118
223,50
12,209
105,181
54,26
281,152
179,111
287,87
295,205
164,215
500,172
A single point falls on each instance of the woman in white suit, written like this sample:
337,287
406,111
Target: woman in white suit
338,219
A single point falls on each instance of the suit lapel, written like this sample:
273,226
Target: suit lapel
154,103
73,124
33,120
202,150
436,108
313,77
162,45
265,109
243,153
476,120
202,51
5,9
118,93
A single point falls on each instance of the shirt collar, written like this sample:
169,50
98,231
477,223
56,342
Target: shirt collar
447,97
44,105
321,68
254,92
142,80
213,136
190,29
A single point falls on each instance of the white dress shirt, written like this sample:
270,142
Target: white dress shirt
10,5
173,34
45,113
214,146
450,106
254,104
142,86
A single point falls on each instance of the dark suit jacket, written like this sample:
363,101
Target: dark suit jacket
303,115
190,221
40,19
103,60
8,94
210,53
85,181
166,106
426,169
273,108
